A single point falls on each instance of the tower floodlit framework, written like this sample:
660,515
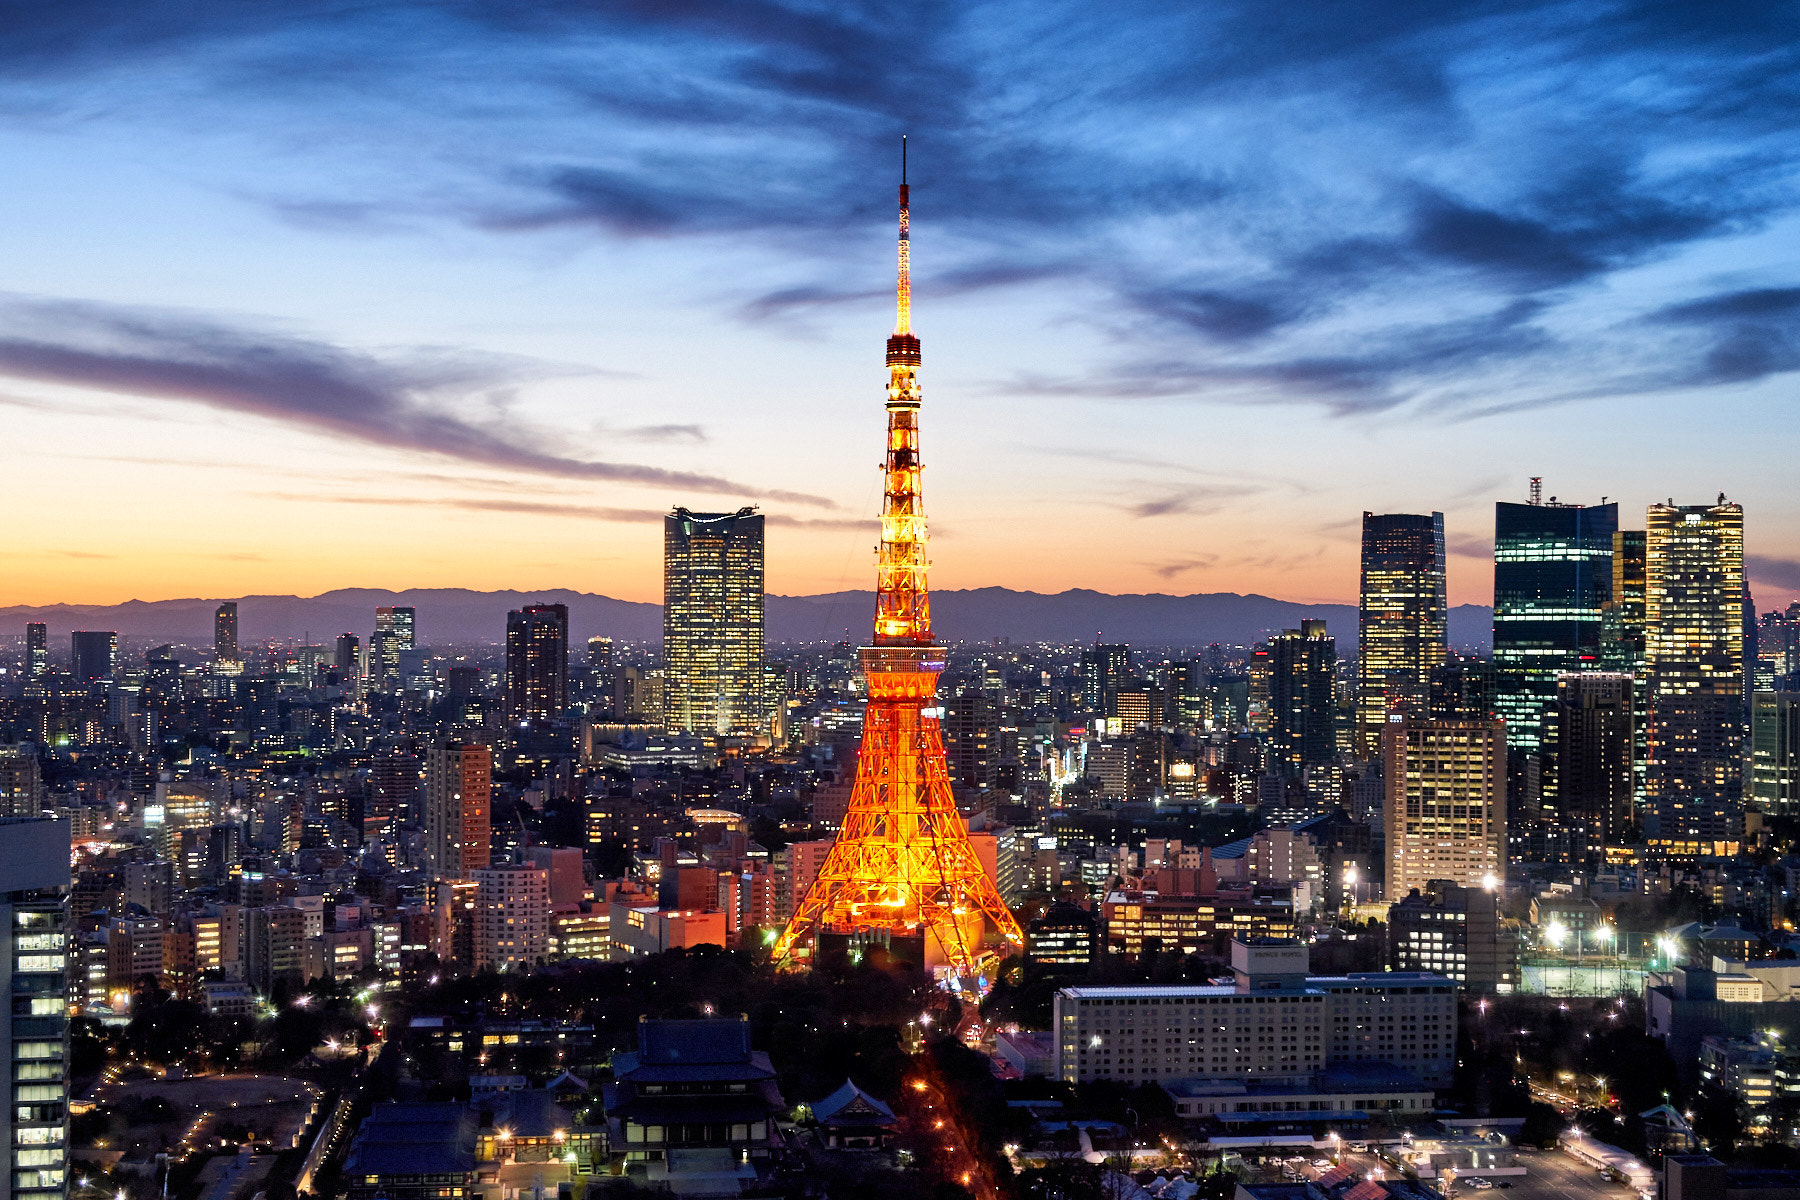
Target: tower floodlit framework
903,865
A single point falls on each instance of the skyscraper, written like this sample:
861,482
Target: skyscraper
346,656
903,868
1553,576
225,634
1694,651
1445,810
1622,646
1404,619
93,654
1587,792
393,633
37,650
713,622
537,662
599,688
1775,752
34,890
1302,699
1104,670
459,782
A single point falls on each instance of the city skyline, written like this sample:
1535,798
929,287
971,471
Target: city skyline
1259,282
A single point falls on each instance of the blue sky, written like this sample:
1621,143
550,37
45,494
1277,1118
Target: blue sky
296,296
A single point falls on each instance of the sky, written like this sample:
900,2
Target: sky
296,296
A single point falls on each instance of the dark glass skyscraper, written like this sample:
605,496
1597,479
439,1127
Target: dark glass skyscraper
1404,617
1302,699
713,622
1552,580
537,662
225,633
93,654
1588,778
394,631
1104,670
37,650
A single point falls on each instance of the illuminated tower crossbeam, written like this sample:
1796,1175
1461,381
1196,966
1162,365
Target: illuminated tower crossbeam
903,863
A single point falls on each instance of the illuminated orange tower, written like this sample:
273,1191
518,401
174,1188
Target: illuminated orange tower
902,863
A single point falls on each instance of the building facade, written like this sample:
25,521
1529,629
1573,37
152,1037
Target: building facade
1775,752
1403,617
1454,931
394,632
1275,1023
1694,653
1589,781
1553,578
459,782
537,662
93,654
1445,808
34,890
225,635
512,917
713,622
1302,699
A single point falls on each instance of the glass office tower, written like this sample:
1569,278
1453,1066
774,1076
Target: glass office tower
1403,619
537,662
1553,576
713,622
34,891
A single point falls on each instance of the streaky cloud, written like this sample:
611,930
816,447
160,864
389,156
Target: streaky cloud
381,401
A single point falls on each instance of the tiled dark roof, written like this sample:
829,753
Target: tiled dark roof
714,1040
413,1139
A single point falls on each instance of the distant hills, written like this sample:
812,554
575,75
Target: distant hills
448,615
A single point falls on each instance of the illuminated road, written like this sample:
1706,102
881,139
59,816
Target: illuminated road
939,1133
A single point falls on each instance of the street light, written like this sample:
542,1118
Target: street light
1558,933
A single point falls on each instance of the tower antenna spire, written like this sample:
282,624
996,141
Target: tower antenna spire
903,289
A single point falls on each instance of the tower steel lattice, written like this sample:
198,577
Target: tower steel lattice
903,863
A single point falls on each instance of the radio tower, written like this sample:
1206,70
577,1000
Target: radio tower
902,865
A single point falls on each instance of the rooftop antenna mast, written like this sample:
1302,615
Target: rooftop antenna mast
1537,490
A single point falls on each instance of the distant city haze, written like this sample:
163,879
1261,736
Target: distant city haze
457,615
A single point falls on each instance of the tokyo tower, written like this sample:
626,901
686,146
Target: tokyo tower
903,865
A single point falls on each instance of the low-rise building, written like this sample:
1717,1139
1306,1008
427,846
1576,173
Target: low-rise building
1275,1023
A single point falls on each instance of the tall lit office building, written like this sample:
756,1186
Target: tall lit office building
1694,651
1587,790
1445,809
600,666
34,890
713,622
93,654
1775,752
537,662
459,783
393,634
225,634
1302,699
1553,577
37,650
346,657
1104,670
1403,620
1622,645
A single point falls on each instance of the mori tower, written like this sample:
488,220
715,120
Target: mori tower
902,872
